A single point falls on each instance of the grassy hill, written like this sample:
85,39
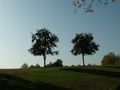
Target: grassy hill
82,78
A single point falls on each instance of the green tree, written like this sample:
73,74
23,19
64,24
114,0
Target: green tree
110,59
35,66
84,44
88,5
50,64
58,63
25,66
43,43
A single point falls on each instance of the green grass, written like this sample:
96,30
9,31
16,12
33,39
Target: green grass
82,78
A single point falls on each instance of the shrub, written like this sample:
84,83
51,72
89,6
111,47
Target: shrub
50,64
110,59
25,66
57,63
89,64
36,66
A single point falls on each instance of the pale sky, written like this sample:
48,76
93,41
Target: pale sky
18,18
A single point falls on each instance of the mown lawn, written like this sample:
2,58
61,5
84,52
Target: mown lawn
76,78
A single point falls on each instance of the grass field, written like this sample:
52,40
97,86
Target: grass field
75,78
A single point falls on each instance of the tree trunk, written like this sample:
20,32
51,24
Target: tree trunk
83,59
44,56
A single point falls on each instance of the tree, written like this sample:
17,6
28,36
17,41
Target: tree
88,5
24,66
110,59
43,43
50,64
35,66
32,66
58,63
84,44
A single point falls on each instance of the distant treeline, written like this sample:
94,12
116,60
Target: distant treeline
57,63
108,59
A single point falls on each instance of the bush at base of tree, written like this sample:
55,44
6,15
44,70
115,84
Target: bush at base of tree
25,66
57,63
36,66
111,59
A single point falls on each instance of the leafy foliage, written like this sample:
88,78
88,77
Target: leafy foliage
88,5
35,66
25,66
57,63
110,59
84,44
43,43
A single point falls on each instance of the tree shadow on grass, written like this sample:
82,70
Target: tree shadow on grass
94,71
10,82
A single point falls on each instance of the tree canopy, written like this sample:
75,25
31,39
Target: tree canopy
43,43
88,5
84,44
57,63
25,66
111,59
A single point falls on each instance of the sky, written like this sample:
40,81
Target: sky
18,18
